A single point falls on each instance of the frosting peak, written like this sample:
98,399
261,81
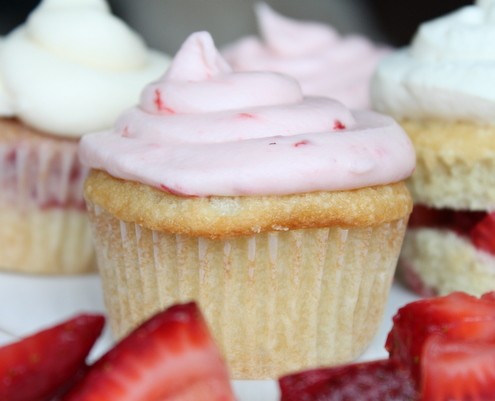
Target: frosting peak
324,63
461,36
103,41
203,129
489,9
448,72
293,38
198,60
73,67
200,80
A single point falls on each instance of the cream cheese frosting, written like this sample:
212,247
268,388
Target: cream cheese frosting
73,67
448,71
324,62
203,129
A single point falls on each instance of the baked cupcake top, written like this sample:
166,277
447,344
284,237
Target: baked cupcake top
203,130
324,62
448,71
73,68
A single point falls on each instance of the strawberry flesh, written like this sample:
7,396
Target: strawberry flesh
478,227
383,380
483,234
461,370
440,349
36,367
458,316
169,357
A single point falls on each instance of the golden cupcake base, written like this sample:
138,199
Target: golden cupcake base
53,241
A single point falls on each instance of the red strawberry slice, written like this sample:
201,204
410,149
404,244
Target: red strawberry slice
457,370
441,349
369,381
425,216
456,316
33,369
170,357
483,234
464,221
460,221
489,296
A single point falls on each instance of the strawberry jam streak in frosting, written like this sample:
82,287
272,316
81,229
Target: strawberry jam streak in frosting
324,62
204,130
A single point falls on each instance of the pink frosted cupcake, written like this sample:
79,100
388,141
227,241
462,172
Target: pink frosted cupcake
282,215
324,62
71,68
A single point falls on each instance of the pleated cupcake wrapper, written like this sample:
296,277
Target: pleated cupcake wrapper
276,302
44,226
41,173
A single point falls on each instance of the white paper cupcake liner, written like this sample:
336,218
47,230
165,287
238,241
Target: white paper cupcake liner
42,210
276,302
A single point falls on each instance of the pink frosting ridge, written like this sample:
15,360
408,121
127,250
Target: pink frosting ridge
325,63
204,130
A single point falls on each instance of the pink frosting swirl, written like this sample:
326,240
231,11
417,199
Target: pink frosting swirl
325,63
204,130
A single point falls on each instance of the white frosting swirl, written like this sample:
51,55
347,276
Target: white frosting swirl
73,67
6,108
448,72
203,130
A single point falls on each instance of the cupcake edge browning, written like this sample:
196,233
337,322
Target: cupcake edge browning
225,216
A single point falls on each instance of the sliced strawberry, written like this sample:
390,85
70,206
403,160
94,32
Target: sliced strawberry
369,381
33,369
425,216
460,370
441,349
170,357
459,221
483,234
456,316
464,221
489,296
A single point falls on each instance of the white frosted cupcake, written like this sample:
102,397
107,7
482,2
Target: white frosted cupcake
442,91
324,62
281,215
71,68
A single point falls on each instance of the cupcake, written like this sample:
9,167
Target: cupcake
324,62
71,68
442,90
282,216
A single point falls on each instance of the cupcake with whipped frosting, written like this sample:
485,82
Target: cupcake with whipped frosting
282,215
324,62
442,90
70,69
